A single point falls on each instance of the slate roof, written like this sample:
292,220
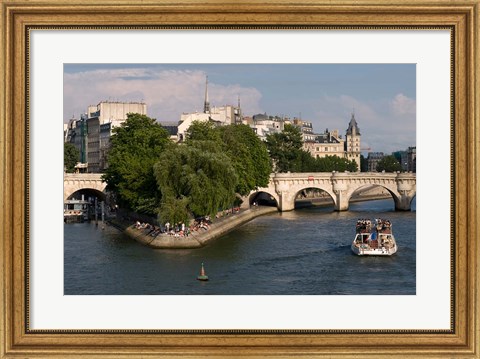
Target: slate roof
353,125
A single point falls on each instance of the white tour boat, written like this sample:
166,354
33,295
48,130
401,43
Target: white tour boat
376,240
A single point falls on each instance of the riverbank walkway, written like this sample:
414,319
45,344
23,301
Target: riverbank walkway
195,239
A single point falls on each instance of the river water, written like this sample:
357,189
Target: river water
306,251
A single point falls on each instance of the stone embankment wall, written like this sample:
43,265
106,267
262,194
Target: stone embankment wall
195,239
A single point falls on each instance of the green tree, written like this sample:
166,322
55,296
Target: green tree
304,162
286,151
135,147
174,210
197,181
246,151
248,155
363,164
389,164
203,131
285,148
335,163
71,155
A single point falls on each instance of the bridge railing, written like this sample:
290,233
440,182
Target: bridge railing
82,176
302,175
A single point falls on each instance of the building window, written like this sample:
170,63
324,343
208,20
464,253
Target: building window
326,149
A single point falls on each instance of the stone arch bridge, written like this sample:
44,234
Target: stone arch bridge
284,187
74,182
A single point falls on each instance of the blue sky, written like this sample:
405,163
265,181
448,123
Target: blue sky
383,96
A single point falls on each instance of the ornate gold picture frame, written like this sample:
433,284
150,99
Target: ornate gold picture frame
19,17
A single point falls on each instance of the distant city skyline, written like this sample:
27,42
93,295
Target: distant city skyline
382,96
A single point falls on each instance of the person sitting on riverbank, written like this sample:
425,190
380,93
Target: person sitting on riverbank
200,223
155,232
226,212
142,225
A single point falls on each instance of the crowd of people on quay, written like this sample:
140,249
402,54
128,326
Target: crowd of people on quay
176,230
148,229
180,229
227,212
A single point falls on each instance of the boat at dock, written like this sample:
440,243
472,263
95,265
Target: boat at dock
75,211
374,239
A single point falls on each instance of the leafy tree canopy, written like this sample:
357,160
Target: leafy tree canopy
247,153
71,155
135,146
203,131
335,163
389,164
285,149
363,164
249,157
194,181
174,210
204,175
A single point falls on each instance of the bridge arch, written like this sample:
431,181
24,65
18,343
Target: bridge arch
370,191
319,194
75,182
87,193
402,187
263,197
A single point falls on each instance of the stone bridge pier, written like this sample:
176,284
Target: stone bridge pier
341,198
406,188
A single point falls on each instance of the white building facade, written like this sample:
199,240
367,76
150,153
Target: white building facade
264,125
221,116
91,134
325,144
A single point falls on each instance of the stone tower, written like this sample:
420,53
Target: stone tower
352,141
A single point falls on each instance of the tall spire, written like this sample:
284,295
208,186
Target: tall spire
206,104
353,127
